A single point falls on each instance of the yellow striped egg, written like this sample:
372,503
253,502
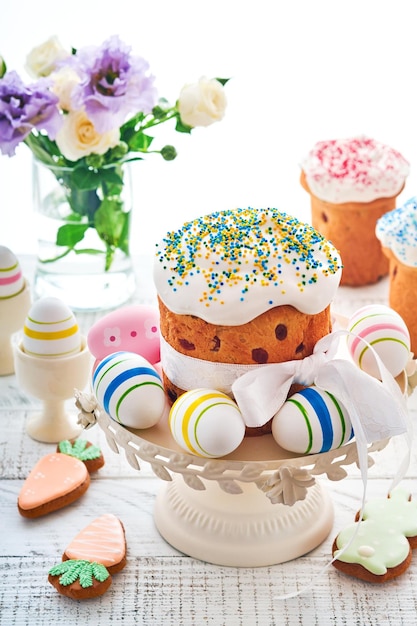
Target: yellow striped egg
129,389
207,423
51,329
11,278
384,329
311,421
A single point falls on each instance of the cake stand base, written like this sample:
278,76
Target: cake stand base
240,530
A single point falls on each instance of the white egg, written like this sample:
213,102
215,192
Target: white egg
384,329
12,281
51,329
129,389
311,421
207,423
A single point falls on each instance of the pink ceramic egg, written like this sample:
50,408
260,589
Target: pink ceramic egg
131,329
11,279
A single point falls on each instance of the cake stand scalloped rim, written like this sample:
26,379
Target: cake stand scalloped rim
283,481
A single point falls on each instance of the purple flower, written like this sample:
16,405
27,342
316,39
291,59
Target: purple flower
113,84
23,108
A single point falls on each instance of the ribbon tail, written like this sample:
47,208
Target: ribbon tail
381,411
260,397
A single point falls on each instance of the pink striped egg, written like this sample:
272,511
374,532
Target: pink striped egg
129,389
311,421
384,329
51,329
11,278
207,423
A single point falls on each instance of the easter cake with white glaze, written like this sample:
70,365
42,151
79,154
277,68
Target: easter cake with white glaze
397,233
352,182
237,289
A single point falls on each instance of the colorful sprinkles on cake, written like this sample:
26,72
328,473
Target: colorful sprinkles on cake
246,248
357,169
397,230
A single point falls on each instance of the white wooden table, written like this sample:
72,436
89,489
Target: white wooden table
160,586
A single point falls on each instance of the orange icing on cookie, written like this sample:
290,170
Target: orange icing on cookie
102,541
53,476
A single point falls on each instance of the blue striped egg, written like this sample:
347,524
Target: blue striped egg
129,389
11,277
311,421
51,330
384,329
207,423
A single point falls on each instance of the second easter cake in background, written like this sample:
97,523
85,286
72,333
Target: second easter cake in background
397,232
352,183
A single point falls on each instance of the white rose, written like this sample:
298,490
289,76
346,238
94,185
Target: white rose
63,83
78,137
202,103
42,60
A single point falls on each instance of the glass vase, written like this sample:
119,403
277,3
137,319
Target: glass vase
83,229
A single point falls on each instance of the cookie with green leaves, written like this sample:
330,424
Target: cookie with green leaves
80,580
93,556
83,450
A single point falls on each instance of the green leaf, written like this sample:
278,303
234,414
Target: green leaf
180,127
65,447
70,234
223,81
140,142
80,450
110,175
99,571
85,178
73,569
109,221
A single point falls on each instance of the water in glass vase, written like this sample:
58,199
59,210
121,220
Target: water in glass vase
75,264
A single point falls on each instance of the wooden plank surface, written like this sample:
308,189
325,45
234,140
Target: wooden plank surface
160,586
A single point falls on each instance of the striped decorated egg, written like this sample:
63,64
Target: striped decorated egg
385,330
207,423
50,329
311,421
11,278
129,389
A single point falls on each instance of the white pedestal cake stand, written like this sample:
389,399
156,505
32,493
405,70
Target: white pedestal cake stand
258,506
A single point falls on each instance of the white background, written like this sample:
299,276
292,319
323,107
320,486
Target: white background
301,71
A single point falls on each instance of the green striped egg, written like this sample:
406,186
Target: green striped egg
51,330
129,389
384,329
311,421
207,423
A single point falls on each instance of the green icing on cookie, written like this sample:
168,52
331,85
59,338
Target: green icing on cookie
71,570
80,450
381,539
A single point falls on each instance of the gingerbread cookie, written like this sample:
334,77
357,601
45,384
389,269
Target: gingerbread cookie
56,481
382,546
96,553
80,580
85,451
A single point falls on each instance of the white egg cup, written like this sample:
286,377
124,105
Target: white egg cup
53,381
13,311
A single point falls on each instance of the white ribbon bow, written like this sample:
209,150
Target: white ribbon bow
376,407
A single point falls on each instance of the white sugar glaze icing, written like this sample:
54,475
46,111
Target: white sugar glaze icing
397,230
357,169
231,266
